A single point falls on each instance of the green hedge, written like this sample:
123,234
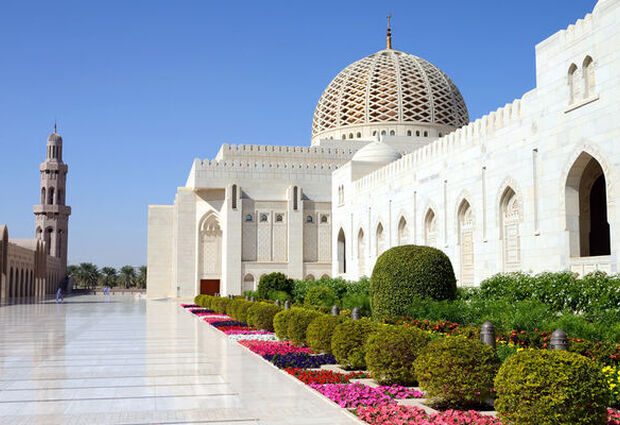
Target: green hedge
239,309
457,372
320,331
261,315
321,296
546,387
274,282
298,324
349,342
391,351
280,323
404,273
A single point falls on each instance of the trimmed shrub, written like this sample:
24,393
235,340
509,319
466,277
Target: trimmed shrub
457,372
279,295
220,304
280,323
322,296
551,387
391,351
239,309
349,342
274,282
261,315
404,273
198,299
298,323
320,331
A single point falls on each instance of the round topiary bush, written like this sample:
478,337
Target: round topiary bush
298,324
261,315
274,282
280,323
321,296
457,372
239,310
407,272
547,387
320,331
349,342
220,304
391,351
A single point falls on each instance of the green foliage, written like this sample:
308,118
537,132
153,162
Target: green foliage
361,301
251,294
456,371
280,323
551,387
239,309
404,273
274,282
322,296
298,323
261,315
457,311
320,331
220,304
349,342
391,351
279,295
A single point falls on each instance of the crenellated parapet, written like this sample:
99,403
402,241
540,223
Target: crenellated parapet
309,154
474,133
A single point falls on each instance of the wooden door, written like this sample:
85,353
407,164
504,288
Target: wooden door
209,286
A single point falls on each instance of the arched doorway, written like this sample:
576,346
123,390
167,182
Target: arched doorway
210,255
248,283
342,258
466,241
511,239
380,238
586,208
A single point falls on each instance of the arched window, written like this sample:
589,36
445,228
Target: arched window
586,208
430,229
48,240
392,133
403,232
234,196
248,218
210,256
248,283
573,87
380,238
408,132
511,239
263,218
383,132
279,218
50,196
374,132
310,277
323,219
361,253
342,256
350,135
344,136
309,219
440,134
417,133
426,134
359,135
295,196
60,197
42,196
466,242
588,77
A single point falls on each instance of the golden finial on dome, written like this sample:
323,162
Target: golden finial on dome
389,32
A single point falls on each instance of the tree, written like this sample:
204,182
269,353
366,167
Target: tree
88,274
108,276
127,276
141,278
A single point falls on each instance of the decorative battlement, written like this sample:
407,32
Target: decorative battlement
470,134
251,165
579,28
308,152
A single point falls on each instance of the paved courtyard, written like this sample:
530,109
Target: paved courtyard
130,361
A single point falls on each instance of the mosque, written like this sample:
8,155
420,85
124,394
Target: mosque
36,267
394,159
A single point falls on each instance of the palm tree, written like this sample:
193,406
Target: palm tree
108,276
88,274
141,278
127,276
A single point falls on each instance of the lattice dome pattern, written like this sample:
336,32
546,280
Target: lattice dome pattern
390,86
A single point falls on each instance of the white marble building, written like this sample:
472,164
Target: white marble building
394,160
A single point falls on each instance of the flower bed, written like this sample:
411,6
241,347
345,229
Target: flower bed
245,330
190,306
300,360
324,376
263,348
391,414
354,395
229,323
250,337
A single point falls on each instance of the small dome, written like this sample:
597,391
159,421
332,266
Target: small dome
377,152
54,137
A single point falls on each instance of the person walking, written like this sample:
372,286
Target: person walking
59,298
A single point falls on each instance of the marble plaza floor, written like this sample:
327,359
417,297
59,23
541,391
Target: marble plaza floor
130,361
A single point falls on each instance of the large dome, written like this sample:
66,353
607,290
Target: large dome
389,87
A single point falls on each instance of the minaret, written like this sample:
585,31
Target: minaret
52,215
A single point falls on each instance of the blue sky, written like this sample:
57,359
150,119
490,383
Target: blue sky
140,88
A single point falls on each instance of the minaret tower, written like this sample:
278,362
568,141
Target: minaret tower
52,215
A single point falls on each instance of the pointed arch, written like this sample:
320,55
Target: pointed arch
248,283
588,77
466,242
510,217
210,246
342,255
573,85
403,231
380,240
586,208
430,228
361,253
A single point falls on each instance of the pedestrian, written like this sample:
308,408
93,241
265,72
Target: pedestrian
59,298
